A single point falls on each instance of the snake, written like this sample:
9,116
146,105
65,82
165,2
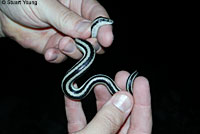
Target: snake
88,51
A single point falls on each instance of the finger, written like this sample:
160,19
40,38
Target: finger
75,115
91,9
53,55
97,46
141,117
102,95
68,47
101,92
51,52
64,19
105,121
120,79
74,5
105,36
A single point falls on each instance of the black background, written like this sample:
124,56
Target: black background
146,39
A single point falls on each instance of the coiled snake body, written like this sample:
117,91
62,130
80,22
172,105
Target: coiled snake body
78,93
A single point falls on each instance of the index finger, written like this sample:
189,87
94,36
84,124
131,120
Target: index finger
92,9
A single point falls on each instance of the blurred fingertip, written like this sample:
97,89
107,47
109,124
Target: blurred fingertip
141,80
105,36
51,54
67,45
99,90
121,78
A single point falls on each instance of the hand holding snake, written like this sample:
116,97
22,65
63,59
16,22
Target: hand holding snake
81,66
37,28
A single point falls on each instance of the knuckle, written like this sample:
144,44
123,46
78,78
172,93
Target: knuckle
66,15
67,19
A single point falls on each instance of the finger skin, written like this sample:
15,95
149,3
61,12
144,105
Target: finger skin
138,122
53,55
63,19
91,10
75,115
105,35
68,47
120,79
101,92
41,22
51,52
105,121
59,47
102,96
96,45
141,116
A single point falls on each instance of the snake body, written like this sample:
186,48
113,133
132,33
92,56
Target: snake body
78,93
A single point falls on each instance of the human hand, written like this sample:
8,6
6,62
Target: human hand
50,26
121,113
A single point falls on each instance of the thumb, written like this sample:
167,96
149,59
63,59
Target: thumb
112,115
64,19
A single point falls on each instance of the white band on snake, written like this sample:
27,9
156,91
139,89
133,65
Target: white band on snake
78,93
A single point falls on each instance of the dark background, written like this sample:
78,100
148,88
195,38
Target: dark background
146,39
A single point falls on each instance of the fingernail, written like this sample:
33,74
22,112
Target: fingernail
83,26
69,48
122,102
